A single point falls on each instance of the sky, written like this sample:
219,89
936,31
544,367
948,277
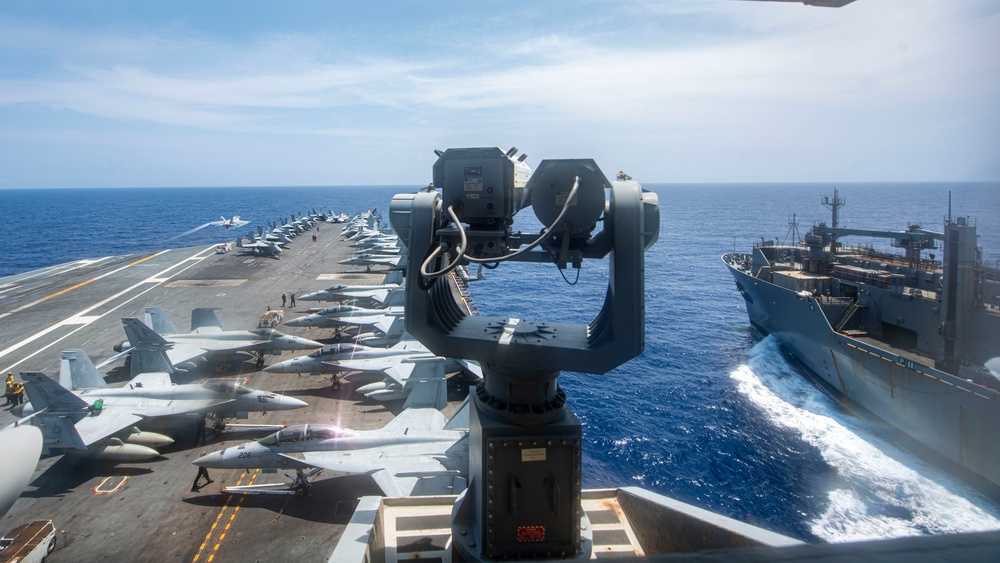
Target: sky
252,93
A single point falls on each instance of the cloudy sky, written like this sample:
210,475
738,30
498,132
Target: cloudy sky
231,93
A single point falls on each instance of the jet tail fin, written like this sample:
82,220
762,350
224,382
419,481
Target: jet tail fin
57,432
47,394
393,276
77,371
460,420
202,317
157,320
139,334
149,349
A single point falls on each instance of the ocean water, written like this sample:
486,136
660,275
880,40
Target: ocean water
710,413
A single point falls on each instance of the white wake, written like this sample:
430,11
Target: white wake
877,495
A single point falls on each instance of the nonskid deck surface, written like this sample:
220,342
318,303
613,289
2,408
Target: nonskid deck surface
147,511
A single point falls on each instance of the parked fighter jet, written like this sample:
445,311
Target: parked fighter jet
369,260
369,296
417,453
208,338
91,420
393,280
405,371
259,247
327,360
234,222
277,236
348,315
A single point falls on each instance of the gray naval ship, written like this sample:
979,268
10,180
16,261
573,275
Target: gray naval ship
907,338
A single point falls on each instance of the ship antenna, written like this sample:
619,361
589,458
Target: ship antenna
793,230
835,204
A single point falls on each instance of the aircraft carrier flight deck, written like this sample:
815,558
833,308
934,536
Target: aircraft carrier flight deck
147,511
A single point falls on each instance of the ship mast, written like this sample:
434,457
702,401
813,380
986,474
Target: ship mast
834,205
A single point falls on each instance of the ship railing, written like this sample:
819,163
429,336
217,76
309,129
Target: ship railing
895,259
739,260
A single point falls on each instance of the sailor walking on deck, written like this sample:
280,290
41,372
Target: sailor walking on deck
202,472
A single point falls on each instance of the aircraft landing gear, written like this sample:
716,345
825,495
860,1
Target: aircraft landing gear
260,359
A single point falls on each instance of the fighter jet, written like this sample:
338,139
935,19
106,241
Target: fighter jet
369,296
369,260
393,280
417,453
91,420
208,338
277,236
327,360
234,222
259,247
348,315
407,370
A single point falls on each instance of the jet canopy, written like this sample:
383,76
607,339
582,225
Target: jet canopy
229,387
335,349
304,433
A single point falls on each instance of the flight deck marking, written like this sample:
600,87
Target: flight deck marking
81,284
74,319
53,270
117,484
218,518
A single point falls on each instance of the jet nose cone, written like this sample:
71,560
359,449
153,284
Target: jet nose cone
290,403
213,459
306,343
279,367
295,322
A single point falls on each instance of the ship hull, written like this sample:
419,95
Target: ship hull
951,417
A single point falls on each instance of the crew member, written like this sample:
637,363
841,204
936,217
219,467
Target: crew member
202,472
199,437
9,393
18,394
293,299
283,299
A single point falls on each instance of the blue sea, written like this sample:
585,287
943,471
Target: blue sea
710,414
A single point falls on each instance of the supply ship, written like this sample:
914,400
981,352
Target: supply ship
907,337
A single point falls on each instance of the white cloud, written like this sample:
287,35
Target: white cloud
777,76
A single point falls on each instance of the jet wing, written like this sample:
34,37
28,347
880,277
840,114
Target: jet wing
417,419
151,379
396,475
93,429
428,387
425,477
385,322
402,366
174,408
183,352
369,364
